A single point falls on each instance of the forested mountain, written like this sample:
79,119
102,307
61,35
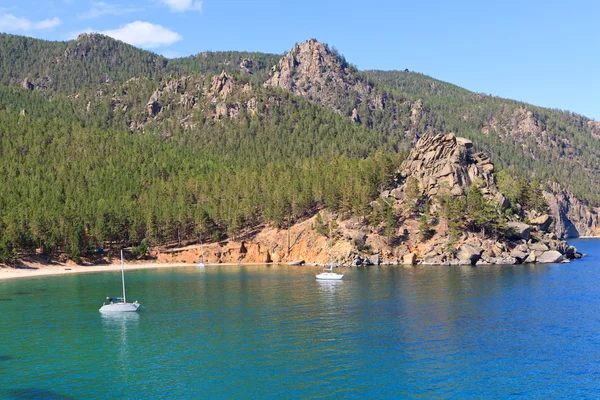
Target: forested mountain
93,59
71,181
526,140
104,143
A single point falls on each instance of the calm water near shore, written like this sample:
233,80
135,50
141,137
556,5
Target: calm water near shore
273,331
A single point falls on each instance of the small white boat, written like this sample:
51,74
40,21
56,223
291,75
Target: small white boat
120,304
328,273
200,264
329,276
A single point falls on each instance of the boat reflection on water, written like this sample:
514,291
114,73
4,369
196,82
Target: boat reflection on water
330,291
330,285
119,320
118,327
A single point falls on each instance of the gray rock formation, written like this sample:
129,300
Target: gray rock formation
221,85
519,230
314,71
550,256
571,217
443,164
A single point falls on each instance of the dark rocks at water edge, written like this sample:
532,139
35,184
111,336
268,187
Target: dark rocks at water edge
444,166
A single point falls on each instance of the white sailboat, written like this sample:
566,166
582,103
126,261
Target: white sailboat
328,273
120,304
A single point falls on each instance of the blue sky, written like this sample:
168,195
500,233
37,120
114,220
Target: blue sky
543,52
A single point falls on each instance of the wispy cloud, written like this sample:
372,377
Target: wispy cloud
139,33
9,23
47,23
100,8
184,5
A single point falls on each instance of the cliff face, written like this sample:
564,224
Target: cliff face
571,218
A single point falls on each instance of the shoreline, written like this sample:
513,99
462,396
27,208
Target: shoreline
32,270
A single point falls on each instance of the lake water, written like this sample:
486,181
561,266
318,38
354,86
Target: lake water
275,332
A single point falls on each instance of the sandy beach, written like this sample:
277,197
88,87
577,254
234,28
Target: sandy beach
30,270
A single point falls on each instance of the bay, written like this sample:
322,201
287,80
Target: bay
276,332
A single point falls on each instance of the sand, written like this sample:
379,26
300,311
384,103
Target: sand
34,269
30,270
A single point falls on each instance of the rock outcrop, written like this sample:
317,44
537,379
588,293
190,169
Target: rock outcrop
444,164
314,71
321,75
571,218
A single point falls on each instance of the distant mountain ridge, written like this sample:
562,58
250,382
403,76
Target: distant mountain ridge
94,59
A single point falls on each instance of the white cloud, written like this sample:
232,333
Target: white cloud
101,8
144,34
9,22
184,5
47,23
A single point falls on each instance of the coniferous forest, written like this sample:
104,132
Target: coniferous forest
103,144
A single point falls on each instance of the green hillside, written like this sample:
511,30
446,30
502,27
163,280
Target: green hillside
70,184
103,143
536,142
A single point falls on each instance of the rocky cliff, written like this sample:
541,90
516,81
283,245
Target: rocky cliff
571,218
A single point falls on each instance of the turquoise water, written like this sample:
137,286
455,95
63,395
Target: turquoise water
275,332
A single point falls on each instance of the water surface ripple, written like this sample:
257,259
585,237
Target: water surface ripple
276,332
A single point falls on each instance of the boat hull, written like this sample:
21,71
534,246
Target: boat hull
120,307
329,276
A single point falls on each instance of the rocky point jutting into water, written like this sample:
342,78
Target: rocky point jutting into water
445,168
440,169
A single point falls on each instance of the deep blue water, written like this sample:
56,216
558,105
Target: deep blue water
275,332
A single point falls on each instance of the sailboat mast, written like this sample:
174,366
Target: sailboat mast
123,276
330,249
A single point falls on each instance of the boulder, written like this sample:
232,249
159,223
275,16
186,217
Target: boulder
296,262
503,260
359,239
469,254
432,259
539,246
531,258
26,84
519,230
519,255
550,256
501,200
542,222
355,117
571,253
410,258
375,259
